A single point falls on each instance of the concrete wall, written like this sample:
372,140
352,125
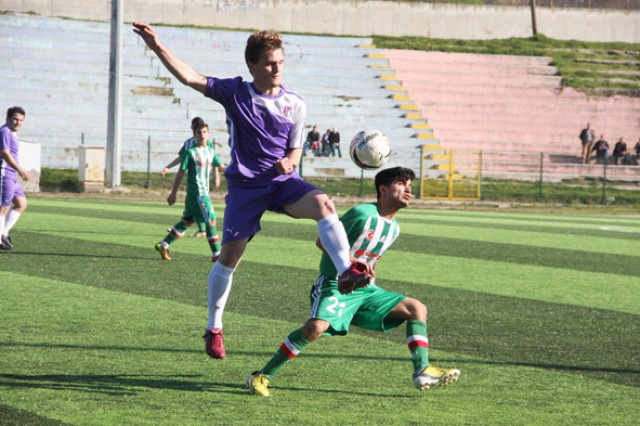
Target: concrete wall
31,161
357,17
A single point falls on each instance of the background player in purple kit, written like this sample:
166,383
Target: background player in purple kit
266,129
13,202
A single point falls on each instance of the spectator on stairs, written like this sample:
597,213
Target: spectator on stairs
587,136
601,147
621,153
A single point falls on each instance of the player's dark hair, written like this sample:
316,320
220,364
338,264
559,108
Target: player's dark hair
386,176
259,43
14,110
195,122
199,126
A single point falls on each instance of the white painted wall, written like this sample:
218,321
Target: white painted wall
357,17
31,161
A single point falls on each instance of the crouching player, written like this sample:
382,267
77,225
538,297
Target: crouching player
371,229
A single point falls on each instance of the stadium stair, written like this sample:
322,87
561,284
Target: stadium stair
61,70
513,109
513,106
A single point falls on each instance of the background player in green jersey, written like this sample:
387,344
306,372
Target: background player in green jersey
371,229
186,145
197,162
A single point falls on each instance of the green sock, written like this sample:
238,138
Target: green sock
202,227
290,348
418,343
176,232
212,238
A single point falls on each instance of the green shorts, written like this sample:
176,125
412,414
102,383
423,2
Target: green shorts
366,307
198,208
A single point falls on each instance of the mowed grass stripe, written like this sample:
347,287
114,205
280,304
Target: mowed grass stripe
605,232
601,243
534,236
558,223
306,229
512,270
522,217
93,367
510,329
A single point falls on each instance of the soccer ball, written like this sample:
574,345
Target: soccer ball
370,149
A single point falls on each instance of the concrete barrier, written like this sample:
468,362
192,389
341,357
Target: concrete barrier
359,17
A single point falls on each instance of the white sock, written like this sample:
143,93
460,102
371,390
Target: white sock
11,219
335,242
2,222
220,280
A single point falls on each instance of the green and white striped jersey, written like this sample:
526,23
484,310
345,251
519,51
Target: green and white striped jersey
190,143
370,236
198,162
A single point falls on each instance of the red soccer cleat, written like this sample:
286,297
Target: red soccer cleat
214,343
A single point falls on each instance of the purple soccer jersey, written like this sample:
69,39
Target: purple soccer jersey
261,128
9,187
8,140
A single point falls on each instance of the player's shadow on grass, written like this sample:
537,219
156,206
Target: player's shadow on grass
117,384
263,355
71,233
133,384
544,365
84,255
256,355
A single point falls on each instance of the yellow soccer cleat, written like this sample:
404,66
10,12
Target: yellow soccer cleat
164,253
258,384
432,376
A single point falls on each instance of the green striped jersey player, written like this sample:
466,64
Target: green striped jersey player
371,229
197,162
370,235
186,145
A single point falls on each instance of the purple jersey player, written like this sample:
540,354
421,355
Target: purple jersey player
266,126
12,199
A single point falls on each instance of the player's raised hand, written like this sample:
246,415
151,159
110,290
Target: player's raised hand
147,33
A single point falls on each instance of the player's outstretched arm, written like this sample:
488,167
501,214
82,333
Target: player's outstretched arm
180,70
173,163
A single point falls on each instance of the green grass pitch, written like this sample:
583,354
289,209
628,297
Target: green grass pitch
541,312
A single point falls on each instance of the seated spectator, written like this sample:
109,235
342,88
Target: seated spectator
325,143
312,139
315,148
601,147
620,153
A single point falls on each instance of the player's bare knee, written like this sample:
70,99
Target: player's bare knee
313,329
417,309
325,205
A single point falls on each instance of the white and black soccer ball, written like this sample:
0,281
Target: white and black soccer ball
370,149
